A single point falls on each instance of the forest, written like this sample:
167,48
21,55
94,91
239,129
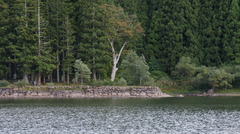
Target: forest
163,43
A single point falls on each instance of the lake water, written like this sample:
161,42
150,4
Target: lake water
220,115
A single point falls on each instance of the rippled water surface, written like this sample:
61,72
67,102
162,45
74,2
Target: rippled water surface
91,116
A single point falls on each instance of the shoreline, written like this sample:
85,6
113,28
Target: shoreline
206,95
82,92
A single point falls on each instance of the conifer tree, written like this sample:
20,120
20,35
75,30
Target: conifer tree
92,47
231,35
4,70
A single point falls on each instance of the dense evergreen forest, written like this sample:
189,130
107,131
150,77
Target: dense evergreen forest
176,41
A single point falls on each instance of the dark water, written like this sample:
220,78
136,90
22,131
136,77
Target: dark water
220,115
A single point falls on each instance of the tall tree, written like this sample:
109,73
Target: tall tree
68,57
91,34
231,35
136,70
3,39
122,29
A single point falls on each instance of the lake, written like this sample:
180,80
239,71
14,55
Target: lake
121,115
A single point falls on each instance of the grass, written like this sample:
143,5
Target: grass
233,91
180,90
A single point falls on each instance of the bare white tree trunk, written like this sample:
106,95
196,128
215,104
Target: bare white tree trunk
116,56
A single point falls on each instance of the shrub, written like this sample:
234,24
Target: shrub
82,72
122,82
184,70
50,84
103,83
165,83
4,83
157,75
213,78
21,83
135,70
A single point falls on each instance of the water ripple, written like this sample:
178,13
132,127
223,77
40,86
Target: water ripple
118,119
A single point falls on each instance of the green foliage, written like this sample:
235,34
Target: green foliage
91,28
50,84
157,75
213,78
235,72
122,82
166,83
175,31
21,83
82,72
135,70
99,83
4,83
185,69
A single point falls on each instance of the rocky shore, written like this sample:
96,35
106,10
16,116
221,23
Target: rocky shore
81,92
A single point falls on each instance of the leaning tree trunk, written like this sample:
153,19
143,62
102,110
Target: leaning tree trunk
116,57
114,69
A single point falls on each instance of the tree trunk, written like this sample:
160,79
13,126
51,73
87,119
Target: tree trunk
44,80
68,73
50,77
58,55
114,70
25,74
63,76
116,57
63,72
25,77
38,79
58,70
94,74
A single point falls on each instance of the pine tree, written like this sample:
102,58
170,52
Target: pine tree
231,36
92,47
3,39
209,28
68,57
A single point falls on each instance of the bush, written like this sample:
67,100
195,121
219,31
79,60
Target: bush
99,83
165,83
157,75
50,84
122,82
21,83
4,83
235,72
184,70
82,72
135,70
213,78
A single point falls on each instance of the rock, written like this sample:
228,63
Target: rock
84,91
